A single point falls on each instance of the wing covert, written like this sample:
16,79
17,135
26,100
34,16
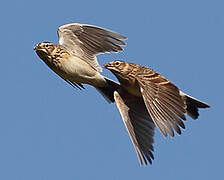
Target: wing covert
86,41
163,101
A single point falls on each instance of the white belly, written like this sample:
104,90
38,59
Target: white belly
79,71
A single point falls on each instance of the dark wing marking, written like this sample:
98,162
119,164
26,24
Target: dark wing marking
75,85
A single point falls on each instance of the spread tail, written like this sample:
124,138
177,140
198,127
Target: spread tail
108,90
193,105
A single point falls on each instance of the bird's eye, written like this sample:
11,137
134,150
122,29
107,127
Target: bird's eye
46,45
117,63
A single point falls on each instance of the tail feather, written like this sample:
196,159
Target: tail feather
193,105
108,90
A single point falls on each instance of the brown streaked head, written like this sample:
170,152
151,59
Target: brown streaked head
116,66
119,66
122,70
44,50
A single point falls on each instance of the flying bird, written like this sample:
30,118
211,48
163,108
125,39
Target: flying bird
147,99
74,57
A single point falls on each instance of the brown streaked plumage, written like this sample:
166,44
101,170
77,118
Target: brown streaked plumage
74,58
147,98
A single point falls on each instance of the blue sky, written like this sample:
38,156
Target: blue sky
48,130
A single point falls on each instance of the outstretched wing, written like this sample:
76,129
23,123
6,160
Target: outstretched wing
163,101
86,41
138,124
